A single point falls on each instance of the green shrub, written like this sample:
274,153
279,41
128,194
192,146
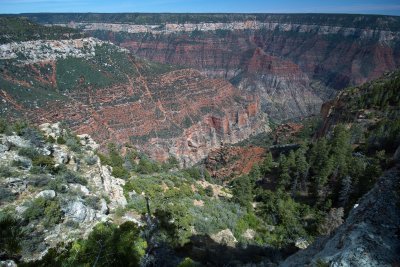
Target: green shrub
51,139
194,173
187,262
107,245
3,126
6,195
147,166
11,234
93,202
71,177
19,126
60,140
21,164
43,161
6,172
48,211
39,181
29,152
73,143
209,191
58,185
120,172
90,160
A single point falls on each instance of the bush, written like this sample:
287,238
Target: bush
48,211
22,164
19,127
106,245
51,139
43,161
120,172
3,126
39,181
72,177
193,173
6,195
11,235
187,262
90,160
61,140
57,185
209,191
6,172
28,152
34,136
146,166
73,143
93,202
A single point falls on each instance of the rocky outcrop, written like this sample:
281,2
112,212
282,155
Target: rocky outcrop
369,236
29,52
77,188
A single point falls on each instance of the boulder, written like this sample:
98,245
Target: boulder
8,263
103,207
4,148
249,234
15,140
78,212
224,237
86,140
301,243
80,188
60,156
47,194
52,130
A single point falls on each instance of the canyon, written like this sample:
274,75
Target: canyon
191,83
292,66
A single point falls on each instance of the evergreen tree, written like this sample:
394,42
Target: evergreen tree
321,165
345,191
267,164
243,191
302,167
284,176
341,151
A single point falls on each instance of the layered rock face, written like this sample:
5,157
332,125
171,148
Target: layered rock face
102,90
293,67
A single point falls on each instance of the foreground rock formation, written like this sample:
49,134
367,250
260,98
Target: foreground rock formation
369,236
82,192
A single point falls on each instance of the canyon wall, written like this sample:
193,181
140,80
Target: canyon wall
293,63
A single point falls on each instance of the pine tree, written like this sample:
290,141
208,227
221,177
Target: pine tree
345,191
284,176
267,164
302,167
